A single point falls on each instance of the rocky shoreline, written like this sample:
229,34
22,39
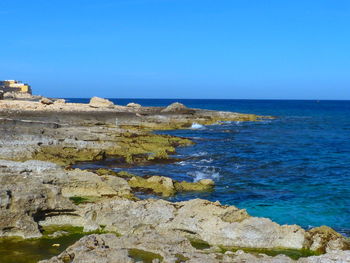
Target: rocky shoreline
41,140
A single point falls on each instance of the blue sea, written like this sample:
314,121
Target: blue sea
294,169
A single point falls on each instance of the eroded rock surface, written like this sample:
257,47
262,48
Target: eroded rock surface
168,247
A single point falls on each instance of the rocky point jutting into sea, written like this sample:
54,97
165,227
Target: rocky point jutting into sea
43,198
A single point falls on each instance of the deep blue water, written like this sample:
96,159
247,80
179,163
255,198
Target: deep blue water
295,169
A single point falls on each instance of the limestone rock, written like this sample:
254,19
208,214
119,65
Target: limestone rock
24,200
166,187
325,239
202,185
167,246
46,101
175,107
133,105
96,102
60,101
158,184
211,222
331,257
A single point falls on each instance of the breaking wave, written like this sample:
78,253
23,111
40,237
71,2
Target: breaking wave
196,125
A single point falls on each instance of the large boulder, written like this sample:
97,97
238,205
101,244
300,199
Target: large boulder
176,107
96,102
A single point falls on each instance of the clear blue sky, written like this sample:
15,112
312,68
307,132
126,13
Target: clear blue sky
291,49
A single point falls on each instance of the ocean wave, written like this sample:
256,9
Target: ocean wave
210,160
207,173
200,154
183,163
196,125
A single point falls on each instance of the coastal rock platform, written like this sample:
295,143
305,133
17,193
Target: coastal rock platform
39,145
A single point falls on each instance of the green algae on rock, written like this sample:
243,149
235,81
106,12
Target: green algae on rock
134,148
166,187
323,238
291,253
18,250
144,256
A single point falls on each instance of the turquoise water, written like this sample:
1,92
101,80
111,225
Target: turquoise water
295,169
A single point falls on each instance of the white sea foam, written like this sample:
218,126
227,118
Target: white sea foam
182,163
206,160
199,154
196,125
204,174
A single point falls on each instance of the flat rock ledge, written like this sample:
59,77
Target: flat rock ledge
168,247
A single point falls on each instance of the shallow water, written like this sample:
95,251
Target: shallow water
295,169
31,251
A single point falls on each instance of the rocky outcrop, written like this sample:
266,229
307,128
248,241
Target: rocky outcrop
154,246
166,186
34,191
97,102
176,107
26,199
36,194
325,239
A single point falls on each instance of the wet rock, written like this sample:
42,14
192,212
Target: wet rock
96,102
202,185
